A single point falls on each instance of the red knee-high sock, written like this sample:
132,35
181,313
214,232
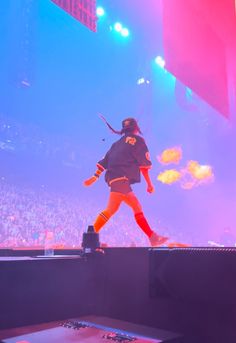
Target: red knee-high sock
143,224
101,220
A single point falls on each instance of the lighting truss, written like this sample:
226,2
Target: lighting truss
82,10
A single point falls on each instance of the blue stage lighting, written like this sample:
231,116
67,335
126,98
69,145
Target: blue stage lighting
100,11
160,61
125,32
141,81
118,27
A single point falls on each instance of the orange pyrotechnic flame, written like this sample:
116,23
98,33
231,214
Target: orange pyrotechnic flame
171,155
199,172
195,174
192,176
169,176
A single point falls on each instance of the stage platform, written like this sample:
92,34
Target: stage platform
88,329
184,292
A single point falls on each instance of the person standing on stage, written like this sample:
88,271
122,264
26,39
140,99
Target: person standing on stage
123,163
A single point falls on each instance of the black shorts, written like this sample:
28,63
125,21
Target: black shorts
121,186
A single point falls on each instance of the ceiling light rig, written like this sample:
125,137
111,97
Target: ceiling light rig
82,10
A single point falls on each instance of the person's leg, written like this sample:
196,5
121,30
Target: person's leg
155,239
132,201
113,205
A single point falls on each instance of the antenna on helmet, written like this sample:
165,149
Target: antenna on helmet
109,126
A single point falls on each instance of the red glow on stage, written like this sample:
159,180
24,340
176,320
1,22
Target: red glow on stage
198,38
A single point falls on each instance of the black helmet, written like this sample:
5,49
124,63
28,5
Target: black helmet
130,125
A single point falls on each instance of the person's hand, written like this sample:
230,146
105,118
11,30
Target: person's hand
150,188
90,181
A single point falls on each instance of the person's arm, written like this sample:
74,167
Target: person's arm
145,173
94,178
101,166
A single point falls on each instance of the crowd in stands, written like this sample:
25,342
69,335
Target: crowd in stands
29,212
27,215
31,139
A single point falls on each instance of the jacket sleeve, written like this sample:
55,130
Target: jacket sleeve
141,154
103,163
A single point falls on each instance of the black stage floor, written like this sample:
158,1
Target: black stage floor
89,329
188,291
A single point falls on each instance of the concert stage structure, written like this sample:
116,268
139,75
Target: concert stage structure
164,69
119,294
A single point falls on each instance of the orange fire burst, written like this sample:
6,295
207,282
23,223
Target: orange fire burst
169,176
171,155
195,174
200,172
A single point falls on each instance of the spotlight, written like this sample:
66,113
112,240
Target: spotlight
160,61
118,27
25,83
100,11
140,81
124,32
